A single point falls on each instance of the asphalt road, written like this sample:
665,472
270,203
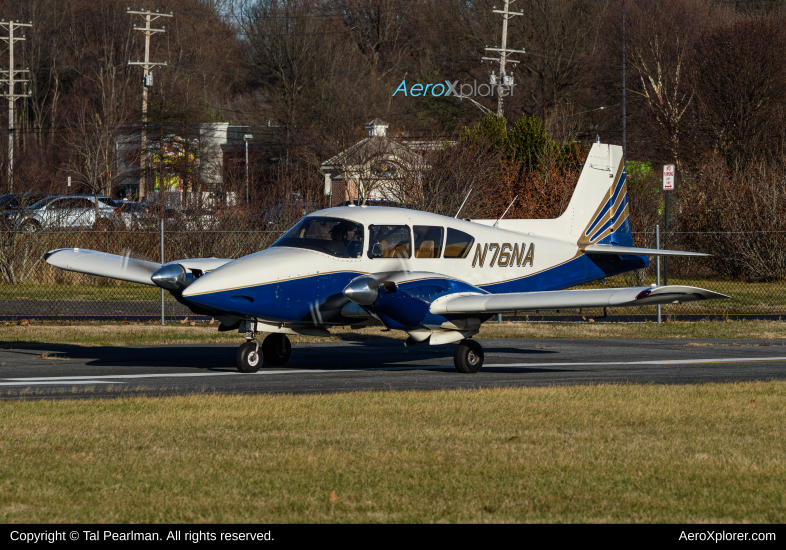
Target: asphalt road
61,371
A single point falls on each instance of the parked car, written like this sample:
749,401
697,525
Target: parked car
12,204
377,202
71,212
131,213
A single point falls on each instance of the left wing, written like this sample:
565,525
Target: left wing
570,299
125,268
92,262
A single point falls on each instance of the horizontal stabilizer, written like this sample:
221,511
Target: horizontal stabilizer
613,249
570,299
92,262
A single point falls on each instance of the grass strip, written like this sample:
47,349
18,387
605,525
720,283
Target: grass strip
611,453
38,334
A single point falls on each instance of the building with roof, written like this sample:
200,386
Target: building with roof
377,168
206,163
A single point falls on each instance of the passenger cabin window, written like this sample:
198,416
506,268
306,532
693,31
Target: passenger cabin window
334,236
458,244
428,241
389,241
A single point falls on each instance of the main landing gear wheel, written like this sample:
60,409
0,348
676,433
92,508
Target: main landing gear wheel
468,356
247,358
276,349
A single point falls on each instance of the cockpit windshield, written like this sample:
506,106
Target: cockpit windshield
334,236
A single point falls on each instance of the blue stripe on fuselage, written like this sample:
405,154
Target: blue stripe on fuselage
286,301
295,300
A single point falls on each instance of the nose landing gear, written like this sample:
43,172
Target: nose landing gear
273,352
248,357
468,357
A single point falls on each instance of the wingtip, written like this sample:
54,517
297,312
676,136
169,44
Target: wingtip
53,252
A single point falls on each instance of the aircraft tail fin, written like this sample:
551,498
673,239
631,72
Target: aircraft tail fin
598,210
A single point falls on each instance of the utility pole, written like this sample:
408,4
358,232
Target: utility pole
624,112
504,78
147,82
10,26
246,138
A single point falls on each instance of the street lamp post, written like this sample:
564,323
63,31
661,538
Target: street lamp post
246,138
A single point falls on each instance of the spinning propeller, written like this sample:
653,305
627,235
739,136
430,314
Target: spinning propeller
364,290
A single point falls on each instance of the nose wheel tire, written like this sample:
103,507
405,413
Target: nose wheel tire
276,349
468,357
247,358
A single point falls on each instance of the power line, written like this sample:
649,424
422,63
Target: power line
146,82
12,97
504,79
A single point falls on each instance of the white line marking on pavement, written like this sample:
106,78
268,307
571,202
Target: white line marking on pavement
58,382
661,362
113,378
167,375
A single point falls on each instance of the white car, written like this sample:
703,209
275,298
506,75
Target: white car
71,212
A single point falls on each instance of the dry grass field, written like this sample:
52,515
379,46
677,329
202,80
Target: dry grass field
622,453
617,453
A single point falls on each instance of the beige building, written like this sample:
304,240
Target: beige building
377,168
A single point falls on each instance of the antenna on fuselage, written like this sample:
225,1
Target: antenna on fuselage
463,203
506,211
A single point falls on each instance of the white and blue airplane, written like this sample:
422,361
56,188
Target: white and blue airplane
434,277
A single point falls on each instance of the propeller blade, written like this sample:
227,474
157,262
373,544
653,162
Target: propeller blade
364,290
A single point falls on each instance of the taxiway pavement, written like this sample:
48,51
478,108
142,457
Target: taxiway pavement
65,371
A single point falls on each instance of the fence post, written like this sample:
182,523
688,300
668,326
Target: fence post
666,242
162,262
657,260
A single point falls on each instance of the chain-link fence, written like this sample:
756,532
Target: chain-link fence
745,267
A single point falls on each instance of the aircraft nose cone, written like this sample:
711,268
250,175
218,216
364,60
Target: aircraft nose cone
362,290
170,277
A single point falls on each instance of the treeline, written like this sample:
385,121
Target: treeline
704,77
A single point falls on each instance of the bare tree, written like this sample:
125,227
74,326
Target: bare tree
377,27
92,134
740,83
560,37
282,39
738,215
660,36
451,171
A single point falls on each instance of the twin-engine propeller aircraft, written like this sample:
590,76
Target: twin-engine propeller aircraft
434,277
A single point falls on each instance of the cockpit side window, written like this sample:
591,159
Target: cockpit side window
334,236
389,241
458,244
428,241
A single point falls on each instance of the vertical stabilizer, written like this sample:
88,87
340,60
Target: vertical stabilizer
598,209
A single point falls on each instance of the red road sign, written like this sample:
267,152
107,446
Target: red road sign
668,177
